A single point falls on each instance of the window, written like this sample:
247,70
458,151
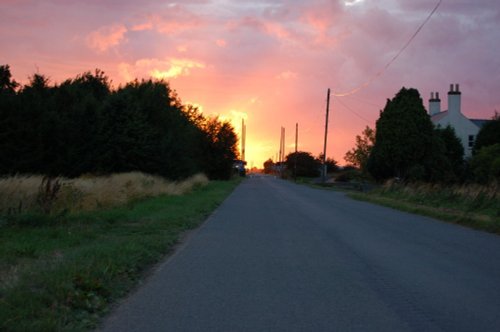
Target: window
471,141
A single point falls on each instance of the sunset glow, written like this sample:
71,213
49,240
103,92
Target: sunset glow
268,62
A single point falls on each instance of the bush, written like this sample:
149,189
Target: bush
307,165
485,164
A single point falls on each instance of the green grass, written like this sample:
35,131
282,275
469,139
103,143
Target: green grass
61,273
471,206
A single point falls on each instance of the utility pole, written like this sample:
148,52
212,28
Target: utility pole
283,149
281,144
326,136
295,158
243,138
279,154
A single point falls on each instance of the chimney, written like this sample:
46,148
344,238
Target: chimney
454,100
434,104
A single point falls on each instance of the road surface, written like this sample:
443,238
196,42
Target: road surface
277,256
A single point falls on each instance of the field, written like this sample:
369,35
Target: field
61,269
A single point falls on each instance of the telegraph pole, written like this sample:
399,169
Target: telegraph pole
282,157
326,136
295,158
283,149
243,138
281,144
278,156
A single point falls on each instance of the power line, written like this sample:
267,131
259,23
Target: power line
351,110
364,101
380,72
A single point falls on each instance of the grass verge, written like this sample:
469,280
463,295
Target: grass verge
473,206
35,193
61,273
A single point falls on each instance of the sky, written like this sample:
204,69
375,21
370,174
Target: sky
269,62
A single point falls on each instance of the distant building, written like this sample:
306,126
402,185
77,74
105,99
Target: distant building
465,129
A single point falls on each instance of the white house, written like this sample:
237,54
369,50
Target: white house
465,129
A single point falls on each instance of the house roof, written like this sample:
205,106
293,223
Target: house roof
439,116
479,122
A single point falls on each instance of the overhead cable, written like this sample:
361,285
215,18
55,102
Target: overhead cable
380,72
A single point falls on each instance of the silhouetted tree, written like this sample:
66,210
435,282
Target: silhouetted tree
489,134
177,141
331,164
126,142
73,141
34,99
268,166
358,156
307,165
11,123
403,139
6,81
221,148
83,126
485,164
446,161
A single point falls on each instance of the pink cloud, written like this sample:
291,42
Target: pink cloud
287,75
174,19
159,68
106,37
182,48
221,43
142,26
276,30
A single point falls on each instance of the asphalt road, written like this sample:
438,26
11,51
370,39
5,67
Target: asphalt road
281,257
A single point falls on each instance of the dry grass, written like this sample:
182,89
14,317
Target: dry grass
22,193
465,193
477,206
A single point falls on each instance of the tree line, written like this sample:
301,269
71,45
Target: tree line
406,145
82,126
301,164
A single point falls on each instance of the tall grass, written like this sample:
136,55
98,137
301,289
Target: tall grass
473,205
24,194
464,197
